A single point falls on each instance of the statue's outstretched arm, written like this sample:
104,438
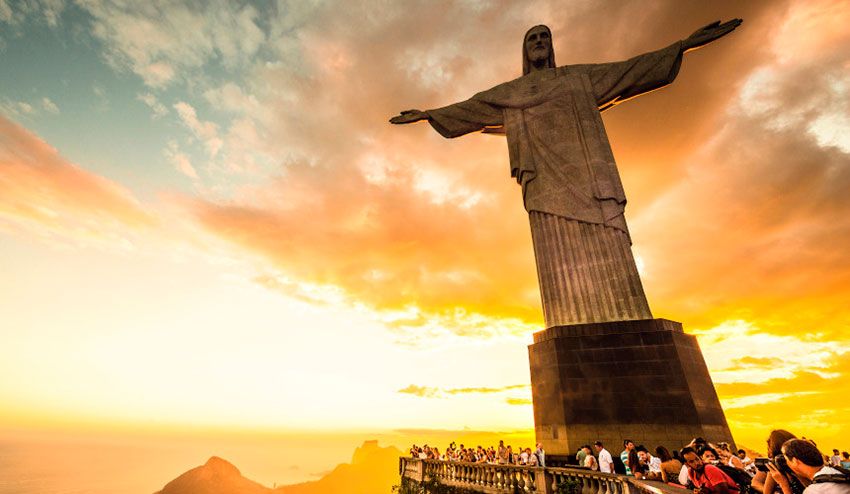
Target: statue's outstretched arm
409,116
709,33
614,83
458,119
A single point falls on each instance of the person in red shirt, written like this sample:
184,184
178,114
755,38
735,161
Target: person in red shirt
707,479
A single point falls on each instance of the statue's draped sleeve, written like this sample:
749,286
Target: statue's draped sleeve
467,116
557,144
616,82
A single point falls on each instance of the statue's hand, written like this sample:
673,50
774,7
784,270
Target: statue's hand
709,33
409,116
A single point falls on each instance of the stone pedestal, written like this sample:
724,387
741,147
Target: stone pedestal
644,380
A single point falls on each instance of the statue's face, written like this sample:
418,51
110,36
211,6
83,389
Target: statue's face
538,44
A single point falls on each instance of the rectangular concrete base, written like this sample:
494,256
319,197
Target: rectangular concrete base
644,380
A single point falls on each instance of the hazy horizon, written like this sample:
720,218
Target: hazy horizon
98,463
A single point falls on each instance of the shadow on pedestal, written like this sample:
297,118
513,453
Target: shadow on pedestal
644,380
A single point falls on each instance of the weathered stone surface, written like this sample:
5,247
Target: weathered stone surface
644,380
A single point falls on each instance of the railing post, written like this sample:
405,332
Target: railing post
544,481
420,471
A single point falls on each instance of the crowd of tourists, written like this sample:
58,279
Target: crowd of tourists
792,466
503,455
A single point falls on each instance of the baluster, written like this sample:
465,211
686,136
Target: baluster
601,486
585,485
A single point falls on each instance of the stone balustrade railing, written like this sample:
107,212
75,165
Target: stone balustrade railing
493,479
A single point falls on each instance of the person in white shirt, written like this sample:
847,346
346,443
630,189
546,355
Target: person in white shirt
806,461
652,462
606,462
532,458
749,464
683,475
541,455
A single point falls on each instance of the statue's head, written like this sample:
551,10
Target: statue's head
537,52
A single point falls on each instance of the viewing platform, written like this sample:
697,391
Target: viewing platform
492,478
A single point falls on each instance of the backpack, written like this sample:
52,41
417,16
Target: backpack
742,479
842,477
619,466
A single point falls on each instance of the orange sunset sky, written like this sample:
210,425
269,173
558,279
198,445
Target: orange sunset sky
206,220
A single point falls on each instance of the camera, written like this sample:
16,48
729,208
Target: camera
782,464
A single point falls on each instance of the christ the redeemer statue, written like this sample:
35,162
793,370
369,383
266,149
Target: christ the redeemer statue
560,155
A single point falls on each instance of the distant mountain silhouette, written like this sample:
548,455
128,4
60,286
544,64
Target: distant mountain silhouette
216,476
373,469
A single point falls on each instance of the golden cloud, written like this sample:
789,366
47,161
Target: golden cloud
41,191
429,392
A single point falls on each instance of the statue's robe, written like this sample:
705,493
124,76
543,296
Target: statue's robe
560,155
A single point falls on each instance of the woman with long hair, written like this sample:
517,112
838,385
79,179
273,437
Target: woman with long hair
590,460
763,482
670,467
